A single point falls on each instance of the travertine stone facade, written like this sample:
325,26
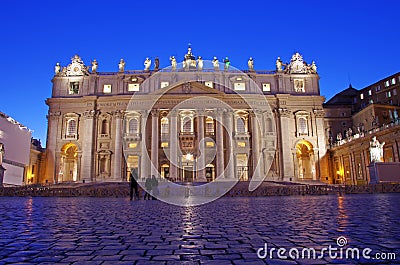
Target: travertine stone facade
97,117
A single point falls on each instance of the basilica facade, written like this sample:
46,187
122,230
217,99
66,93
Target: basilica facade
193,121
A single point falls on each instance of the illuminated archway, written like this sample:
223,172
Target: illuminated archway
69,163
305,160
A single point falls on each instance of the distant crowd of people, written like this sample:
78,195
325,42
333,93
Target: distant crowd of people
150,186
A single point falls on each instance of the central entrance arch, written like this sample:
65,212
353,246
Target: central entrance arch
305,160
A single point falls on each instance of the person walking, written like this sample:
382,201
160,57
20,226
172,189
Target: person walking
154,185
133,185
148,188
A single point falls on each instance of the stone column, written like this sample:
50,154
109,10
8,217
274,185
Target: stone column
255,144
201,163
286,150
321,142
220,144
116,164
144,161
173,145
230,171
53,120
154,142
87,145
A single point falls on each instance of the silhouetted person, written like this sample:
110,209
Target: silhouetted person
154,186
133,185
148,188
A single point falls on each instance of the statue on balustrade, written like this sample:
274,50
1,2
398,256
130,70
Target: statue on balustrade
94,66
173,62
250,64
121,65
147,64
215,63
376,150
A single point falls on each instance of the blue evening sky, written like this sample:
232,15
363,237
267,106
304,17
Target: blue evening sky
355,41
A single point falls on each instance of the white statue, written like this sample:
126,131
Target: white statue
376,150
1,153
215,63
250,64
173,63
57,68
147,64
200,63
94,66
314,67
395,115
279,64
121,65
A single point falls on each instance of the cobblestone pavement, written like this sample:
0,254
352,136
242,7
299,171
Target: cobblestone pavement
56,230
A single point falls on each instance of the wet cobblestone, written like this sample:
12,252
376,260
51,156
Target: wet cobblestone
78,230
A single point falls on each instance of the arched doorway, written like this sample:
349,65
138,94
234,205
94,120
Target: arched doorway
305,160
69,163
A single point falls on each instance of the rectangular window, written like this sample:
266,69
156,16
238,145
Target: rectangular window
378,88
388,94
73,88
209,144
209,84
107,89
164,144
239,86
387,83
370,92
393,81
133,87
164,84
266,87
132,145
361,96
394,92
299,85
241,144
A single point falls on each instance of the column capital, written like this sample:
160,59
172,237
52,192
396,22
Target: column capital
118,114
89,114
319,113
54,115
154,112
283,112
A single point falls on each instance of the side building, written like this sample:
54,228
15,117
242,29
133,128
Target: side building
15,140
352,118
191,121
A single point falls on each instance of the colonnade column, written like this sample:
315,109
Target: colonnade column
87,145
52,167
255,144
287,158
154,142
118,146
230,171
144,155
201,162
173,145
220,144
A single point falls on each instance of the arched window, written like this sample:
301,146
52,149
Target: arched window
133,126
104,127
240,125
71,127
164,126
302,125
209,125
187,124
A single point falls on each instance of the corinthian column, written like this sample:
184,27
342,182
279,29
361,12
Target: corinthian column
154,142
255,148
52,166
220,144
118,146
173,145
230,170
201,162
87,145
144,161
